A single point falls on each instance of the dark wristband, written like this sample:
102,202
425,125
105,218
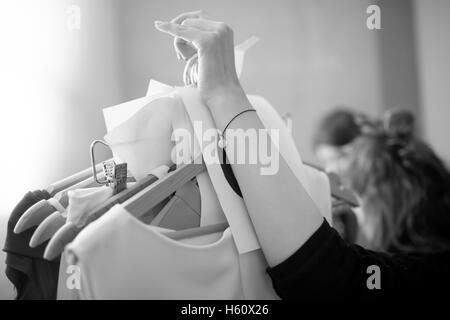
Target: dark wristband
222,141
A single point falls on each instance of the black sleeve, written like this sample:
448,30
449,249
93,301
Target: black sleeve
327,267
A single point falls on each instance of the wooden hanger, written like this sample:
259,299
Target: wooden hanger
43,208
47,228
52,223
65,183
196,232
143,196
39,212
149,197
338,191
69,231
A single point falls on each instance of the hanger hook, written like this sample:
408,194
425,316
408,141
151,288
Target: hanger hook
94,170
190,73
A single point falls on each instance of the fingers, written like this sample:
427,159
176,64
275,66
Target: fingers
186,37
189,29
187,33
183,49
189,15
201,24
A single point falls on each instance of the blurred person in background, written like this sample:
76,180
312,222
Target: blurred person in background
332,145
403,187
332,142
345,221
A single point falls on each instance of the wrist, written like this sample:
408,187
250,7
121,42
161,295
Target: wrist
226,96
226,104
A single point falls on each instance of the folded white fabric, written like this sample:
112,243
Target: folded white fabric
81,201
118,114
144,140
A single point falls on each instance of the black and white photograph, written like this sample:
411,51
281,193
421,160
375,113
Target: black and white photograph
226,156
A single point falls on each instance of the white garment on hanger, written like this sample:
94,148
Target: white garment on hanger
67,289
122,258
81,201
110,240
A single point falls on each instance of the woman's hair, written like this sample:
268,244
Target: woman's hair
338,128
404,185
341,127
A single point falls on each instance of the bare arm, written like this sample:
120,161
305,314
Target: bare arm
283,214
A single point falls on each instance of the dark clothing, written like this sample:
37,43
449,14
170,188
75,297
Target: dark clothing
328,267
32,276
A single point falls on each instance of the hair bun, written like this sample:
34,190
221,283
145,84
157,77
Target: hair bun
399,123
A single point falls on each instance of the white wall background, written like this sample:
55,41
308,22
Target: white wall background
312,56
53,83
433,45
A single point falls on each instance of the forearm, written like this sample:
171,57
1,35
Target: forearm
283,214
